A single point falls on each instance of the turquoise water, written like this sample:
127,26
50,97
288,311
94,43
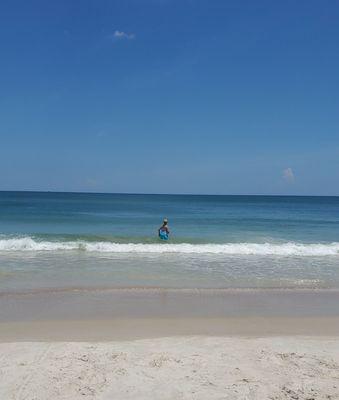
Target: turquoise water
89,240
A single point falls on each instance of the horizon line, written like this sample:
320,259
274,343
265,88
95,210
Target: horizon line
165,194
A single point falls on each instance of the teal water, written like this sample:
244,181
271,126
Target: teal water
85,240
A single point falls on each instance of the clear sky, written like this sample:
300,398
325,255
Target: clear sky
214,96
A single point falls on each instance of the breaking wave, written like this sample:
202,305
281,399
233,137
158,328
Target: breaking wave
26,244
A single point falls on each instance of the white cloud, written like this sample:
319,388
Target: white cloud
123,35
288,175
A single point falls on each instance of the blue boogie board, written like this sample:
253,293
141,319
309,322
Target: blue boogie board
163,235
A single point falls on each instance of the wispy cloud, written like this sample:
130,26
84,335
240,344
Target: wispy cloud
119,35
288,175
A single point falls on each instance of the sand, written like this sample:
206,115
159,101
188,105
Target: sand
98,330
165,344
183,367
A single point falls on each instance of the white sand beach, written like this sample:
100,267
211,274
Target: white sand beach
185,367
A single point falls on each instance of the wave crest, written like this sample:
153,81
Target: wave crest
283,249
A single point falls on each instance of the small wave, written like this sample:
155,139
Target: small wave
282,249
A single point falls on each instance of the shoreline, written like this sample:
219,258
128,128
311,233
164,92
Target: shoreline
169,289
167,303
117,314
121,329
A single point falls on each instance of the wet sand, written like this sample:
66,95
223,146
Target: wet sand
109,314
112,303
146,328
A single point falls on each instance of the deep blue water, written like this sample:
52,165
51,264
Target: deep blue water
208,219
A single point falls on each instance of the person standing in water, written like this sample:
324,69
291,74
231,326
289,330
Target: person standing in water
163,230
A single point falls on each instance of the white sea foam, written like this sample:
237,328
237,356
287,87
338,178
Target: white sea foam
283,249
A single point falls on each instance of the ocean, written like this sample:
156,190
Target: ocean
82,241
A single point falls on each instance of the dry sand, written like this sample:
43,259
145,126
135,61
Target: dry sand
185,367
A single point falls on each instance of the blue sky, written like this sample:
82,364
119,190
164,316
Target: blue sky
224,97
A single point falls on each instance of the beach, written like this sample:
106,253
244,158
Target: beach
172,368
240,303
145,345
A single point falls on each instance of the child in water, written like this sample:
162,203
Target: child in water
163,230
